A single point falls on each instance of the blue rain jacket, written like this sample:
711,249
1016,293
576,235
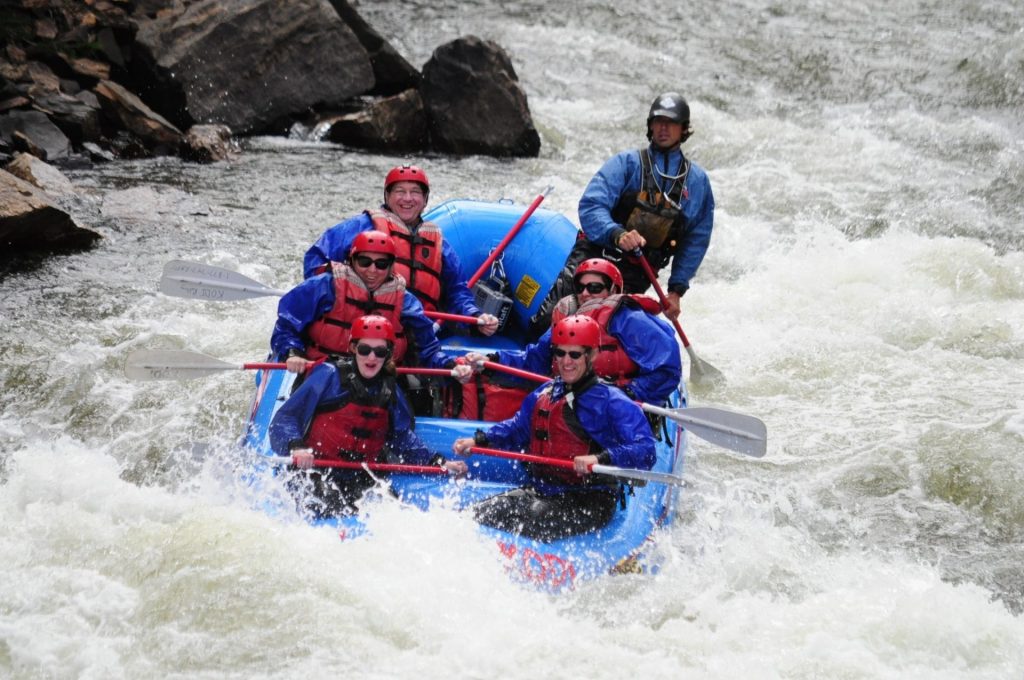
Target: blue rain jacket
607,415
292,420
335,243
311,299
649,341
622,174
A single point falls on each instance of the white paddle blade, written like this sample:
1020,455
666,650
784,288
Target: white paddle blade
172,365
197,281
645,475
702,373
734,431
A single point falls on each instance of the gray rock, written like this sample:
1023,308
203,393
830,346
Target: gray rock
474,102
77,116
40,174
126,110
37,131
396,123
98,154
29,221
249,64
392,73
208,144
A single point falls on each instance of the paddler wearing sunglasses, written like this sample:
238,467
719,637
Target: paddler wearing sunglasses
316,317
637,350
574,417
427,262
350,409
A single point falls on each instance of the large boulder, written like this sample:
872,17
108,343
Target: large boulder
248,64
29,221
474,102
396,123
392,73
127,112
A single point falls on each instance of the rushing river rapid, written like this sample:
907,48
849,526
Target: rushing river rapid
863,294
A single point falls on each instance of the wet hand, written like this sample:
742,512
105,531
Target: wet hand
462,372
630,241
462,446
302,458
672,311
488,324
581,464
296,364
457,467
476,360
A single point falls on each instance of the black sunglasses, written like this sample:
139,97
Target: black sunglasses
365,261
380,352
560,353
594,287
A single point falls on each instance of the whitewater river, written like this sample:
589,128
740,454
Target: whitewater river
864,295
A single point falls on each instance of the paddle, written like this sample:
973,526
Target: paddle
610,470
701,371
172,364
728,429
208,282
460,318
196,281
500,248
734,431
519,373
373,467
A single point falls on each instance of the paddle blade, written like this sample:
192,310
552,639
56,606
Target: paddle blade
172,365
734,431
702,373
645,475
197,281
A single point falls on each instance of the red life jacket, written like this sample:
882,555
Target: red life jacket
612,363
556,433
356,429
486,397
417,257
330,334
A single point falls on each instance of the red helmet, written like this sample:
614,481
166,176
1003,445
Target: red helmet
372,241
373,327
576,330
407,173
596,265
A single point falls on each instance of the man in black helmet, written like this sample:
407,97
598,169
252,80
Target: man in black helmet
652,198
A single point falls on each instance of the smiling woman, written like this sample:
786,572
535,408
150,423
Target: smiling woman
349,410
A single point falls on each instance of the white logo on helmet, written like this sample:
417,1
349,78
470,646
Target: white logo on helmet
667,102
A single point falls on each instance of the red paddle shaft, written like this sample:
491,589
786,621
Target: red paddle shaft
508,239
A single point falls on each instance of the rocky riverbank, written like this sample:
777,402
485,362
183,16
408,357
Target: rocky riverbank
97,80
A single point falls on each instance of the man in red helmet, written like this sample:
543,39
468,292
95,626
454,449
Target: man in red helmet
353,410
574,417
637,350
423,258
315,318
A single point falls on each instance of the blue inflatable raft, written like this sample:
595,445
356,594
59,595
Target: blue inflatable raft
530,265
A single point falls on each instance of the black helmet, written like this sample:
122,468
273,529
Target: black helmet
670,105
